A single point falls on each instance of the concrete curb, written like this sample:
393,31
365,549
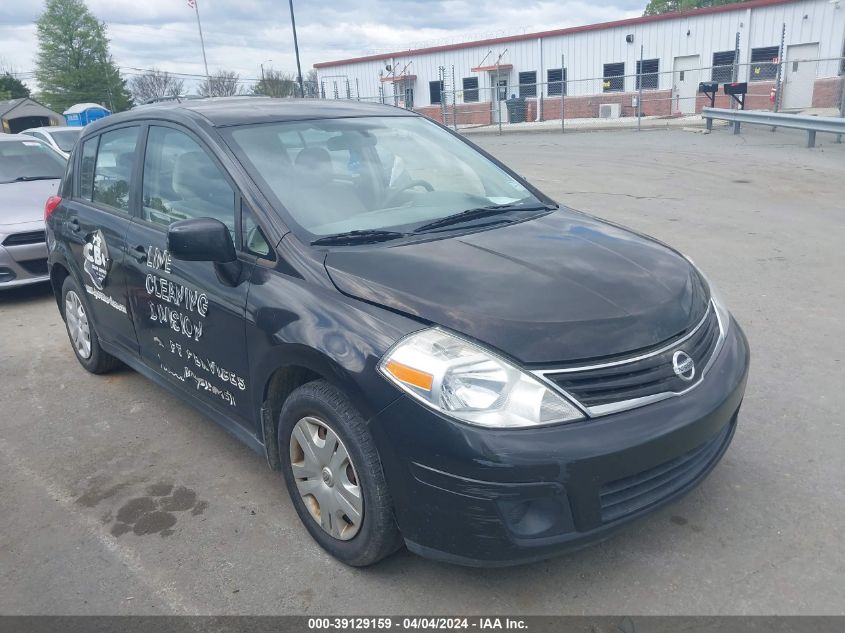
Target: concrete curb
577,125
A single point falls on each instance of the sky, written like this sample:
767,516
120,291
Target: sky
241,34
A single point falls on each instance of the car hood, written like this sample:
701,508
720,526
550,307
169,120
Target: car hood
24,201
560,288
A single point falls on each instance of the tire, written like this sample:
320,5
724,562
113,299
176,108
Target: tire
311,414
87,350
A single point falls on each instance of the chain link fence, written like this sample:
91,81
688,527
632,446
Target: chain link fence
615,99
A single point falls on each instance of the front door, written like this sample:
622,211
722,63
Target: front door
96,224
500,108
800,76
189,319
685,84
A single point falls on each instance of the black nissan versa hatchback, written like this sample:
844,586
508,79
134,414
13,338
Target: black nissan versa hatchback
429,349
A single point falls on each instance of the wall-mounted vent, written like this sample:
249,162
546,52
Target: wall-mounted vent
609,111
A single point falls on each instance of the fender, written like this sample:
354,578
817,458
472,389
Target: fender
295,323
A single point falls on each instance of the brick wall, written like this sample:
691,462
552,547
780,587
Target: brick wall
827,92
466,113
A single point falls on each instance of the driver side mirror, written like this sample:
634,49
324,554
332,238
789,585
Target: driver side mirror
201,240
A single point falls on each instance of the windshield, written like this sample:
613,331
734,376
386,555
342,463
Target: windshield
372,174
29,160
66,139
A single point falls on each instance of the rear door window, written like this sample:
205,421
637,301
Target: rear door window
114,166
86,169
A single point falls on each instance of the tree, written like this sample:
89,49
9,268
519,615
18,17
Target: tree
656,7
74,64
276,83
155,84
10,86
223,83
311,85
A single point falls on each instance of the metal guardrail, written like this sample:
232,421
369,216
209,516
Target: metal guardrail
811,124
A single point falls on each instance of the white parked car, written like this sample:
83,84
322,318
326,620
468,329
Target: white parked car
30,172
61,139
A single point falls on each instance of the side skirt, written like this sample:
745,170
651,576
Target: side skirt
229,425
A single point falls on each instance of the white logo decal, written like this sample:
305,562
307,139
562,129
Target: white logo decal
97,260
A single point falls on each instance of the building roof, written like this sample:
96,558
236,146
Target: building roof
8,106
11,104
227,111
741,6
82,107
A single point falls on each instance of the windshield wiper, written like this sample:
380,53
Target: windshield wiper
358,237
28,178
480,212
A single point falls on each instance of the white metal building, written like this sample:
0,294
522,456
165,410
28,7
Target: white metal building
601,63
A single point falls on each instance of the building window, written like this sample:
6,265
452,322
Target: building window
723,67
648,74
435,89
470,89
763,67
528,83
557,81
614,78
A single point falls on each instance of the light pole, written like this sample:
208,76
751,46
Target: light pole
296,48
262,69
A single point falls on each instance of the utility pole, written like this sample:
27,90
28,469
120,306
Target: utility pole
640,95
263,80
296,49
195,4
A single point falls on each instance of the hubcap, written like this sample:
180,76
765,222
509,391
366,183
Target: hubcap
326,478
77,325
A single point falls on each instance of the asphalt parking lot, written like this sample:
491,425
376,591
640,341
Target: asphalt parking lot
203,526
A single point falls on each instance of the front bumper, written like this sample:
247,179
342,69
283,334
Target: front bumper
23,265
485,497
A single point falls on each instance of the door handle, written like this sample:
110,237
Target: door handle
139,253
74,225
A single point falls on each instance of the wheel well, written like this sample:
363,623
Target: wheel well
58,273
282,383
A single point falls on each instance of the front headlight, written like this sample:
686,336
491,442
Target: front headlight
719,304
467,382
716,297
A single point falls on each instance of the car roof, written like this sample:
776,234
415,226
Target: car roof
19,137
53,128
228,111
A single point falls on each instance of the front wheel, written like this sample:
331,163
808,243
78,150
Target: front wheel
334,475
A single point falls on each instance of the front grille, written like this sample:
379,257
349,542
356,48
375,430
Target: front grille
34,266
21,239
631,494
644,377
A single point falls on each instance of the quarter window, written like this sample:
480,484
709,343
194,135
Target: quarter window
253,237
113,169
181,181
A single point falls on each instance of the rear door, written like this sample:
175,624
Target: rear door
95,226
189,320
